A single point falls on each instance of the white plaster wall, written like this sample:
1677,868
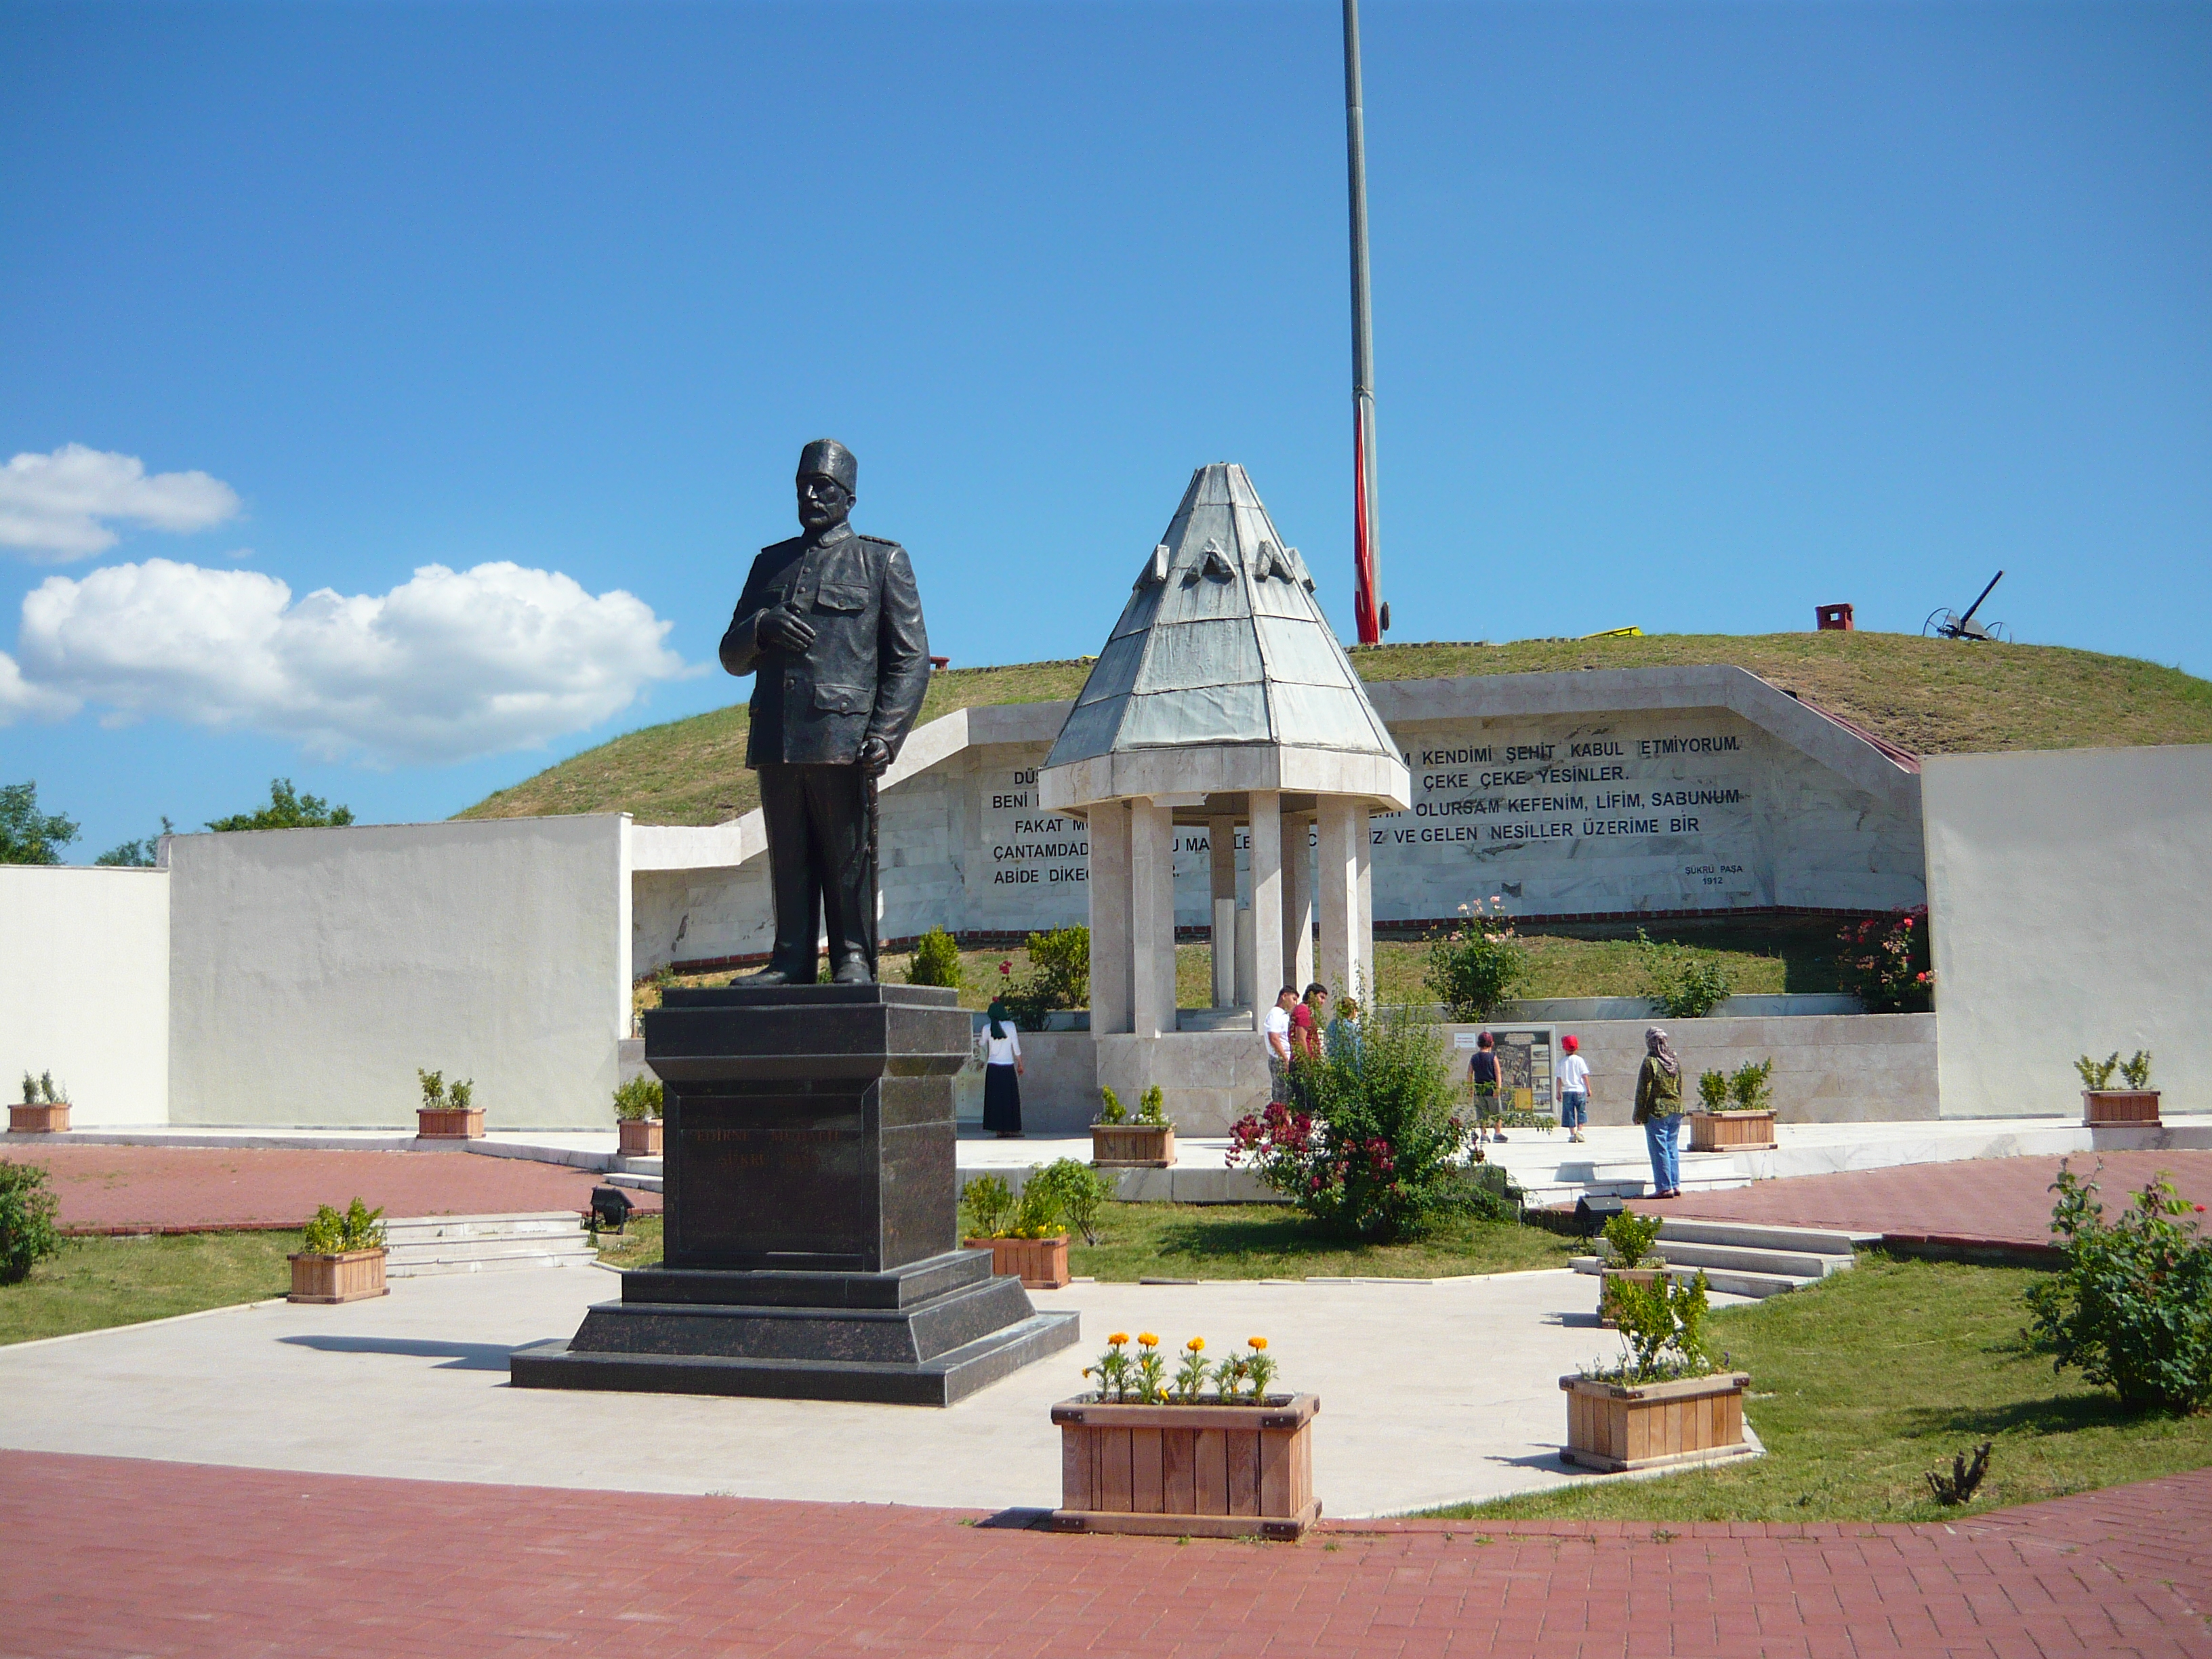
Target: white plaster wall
84,987
2071,899
312,971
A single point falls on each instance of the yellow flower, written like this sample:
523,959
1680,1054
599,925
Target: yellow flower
1195,1344
1117,1339
1145,1338
1257,1341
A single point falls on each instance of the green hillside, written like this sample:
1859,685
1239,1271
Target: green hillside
1931,696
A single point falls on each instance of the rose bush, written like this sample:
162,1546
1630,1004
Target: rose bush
1885,963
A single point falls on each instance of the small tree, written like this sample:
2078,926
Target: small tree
1474,969
27,835
1713,1091
936,960
1059,977
137,855
27,1233
1682,983
987,1202
333,1232
1079,1194
286,809
1751,1085
639,1099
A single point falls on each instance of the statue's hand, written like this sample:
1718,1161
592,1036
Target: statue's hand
784,628
875,756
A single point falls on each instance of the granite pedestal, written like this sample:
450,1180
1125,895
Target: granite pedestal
810,1218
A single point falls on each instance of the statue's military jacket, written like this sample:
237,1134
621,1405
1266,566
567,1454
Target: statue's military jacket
866,673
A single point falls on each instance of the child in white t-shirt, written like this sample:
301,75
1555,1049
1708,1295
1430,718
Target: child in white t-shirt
1574,1088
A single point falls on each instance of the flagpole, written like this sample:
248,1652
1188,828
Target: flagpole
1369,610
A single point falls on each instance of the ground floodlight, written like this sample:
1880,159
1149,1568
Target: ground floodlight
611,1207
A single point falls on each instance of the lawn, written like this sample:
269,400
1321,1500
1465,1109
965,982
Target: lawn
95,1282
1861,1386
1239,1240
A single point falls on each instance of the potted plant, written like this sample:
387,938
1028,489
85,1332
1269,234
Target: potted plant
2104,1106
444,1113
45,1110
341,1259
1148,1453
1022,1234
1666,1402
1146,1143
637,1117
1628,1238
1734,1111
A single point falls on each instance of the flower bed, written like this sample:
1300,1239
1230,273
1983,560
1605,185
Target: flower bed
1133,1146
45,1118
1731,1132
638,1137
346,1276
2108,1108
1614,1426
449,1123
1039,1263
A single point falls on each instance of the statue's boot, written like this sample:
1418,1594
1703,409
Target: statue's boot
853,970
770,974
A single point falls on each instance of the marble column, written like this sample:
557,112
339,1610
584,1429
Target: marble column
1109,881
1221,869
1297,900
1346,884
1152,919
1267,862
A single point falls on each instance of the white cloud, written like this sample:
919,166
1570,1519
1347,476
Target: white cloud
19,697
447,666
53,507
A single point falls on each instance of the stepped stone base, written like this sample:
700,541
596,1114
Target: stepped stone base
928,1333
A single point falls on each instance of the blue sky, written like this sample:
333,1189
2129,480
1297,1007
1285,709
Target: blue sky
1687,316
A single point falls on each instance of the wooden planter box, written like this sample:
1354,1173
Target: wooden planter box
1133,1146
1609,1277
1039,1263
638,1137
38,1120
347,1277
1614,1426
1188,1471
1731,1132
2106,1108
447,1123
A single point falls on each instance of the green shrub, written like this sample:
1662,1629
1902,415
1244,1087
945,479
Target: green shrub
2136,1071
1151,1108
1078,1193
638,1099
987,1201
332,1233
433,1087
1474,970
1372,1151
1110,1109
2132,1308
1664,1325
1059,977
1751,1086
1713,1091
2095,1073
458,1094
28,1234
1630,1237
1682,983
1037,1208
936,960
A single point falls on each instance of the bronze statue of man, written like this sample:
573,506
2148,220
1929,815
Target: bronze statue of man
831,624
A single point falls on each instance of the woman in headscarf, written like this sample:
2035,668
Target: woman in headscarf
1002,1065
1659,1110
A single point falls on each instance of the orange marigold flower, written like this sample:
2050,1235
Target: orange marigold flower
1145,1338
1257,1341
1118,1338
1195,1344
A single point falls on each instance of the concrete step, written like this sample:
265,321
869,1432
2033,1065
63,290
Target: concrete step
1728,1281
419,1246
644,1166
527,1224
490,1261
1816,1240
1794,1264
642,1184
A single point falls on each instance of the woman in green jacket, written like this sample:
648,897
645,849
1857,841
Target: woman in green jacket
1659,1110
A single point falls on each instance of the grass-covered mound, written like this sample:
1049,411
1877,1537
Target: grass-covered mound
1931,696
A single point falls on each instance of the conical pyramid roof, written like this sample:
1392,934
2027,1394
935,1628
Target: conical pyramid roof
1223,647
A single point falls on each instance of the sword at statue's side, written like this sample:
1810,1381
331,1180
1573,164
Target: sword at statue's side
875,881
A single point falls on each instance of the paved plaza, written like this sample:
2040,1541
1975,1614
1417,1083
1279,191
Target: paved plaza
110,1556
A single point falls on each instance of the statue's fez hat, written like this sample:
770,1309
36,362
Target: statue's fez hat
827,457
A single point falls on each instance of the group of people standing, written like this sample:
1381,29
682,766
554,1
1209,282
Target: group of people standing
1658,1100
1299,1027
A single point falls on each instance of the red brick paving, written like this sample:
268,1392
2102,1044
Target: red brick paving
2000,1199
191,1187
114,1556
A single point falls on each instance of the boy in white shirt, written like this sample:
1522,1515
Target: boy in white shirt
1574,1088
1277,1027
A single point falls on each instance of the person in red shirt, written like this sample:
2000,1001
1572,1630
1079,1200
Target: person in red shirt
1307,1020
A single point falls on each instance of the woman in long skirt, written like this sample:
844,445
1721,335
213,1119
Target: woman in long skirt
1002,1094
